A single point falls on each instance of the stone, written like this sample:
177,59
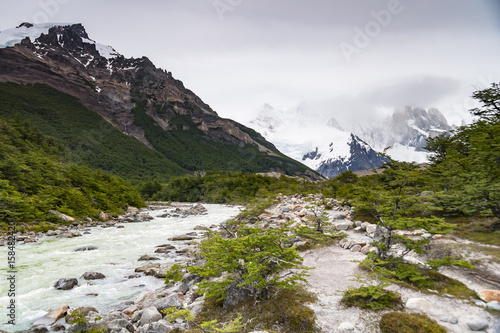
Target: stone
149,315
66,283
85,310
356,248
181,238
85,248
167,246
300,244
51,233
371,228
162,250
120,326
200,227
93,276
161,326
103,216
62,216
490,295
366,249
146,257
38,329
235,295
148,269
477,324
111,317
74,233
419,304
129,311
493,305
183,250
454,321
167,302
344,226
438,236
58,327
196,307
132,210
53,316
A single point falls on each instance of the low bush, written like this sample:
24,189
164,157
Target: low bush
373,297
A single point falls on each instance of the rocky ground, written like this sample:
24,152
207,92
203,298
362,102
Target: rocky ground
334,268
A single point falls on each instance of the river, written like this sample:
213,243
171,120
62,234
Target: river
41,264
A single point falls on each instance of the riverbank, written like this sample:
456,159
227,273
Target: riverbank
119,247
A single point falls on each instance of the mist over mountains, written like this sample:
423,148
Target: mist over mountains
331,144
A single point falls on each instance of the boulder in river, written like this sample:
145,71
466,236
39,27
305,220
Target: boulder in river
53,316
147,257
66,283
148,269
86,248
181,238
93,276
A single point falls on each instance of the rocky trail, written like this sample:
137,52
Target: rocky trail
334,268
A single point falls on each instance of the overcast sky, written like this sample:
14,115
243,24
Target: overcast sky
350,56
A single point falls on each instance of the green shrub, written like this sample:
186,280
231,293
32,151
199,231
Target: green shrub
373,297
252,262
409,323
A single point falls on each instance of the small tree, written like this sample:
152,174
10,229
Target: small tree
394,199
253,262
466,164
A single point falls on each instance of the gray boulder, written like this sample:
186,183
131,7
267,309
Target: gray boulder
161,326
93,276
167,302
86,248
38,329
120,326
149,315
477,324
66,284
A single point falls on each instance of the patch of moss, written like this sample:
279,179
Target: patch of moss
372,297
409,323
285,312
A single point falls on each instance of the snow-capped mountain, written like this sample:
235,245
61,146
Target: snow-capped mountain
137,98
334,145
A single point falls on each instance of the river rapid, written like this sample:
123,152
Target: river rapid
41,264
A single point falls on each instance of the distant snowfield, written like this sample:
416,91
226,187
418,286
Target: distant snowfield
300,131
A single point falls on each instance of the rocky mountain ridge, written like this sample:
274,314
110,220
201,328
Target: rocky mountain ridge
122,89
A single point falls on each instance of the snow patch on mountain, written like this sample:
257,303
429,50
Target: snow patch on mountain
11,37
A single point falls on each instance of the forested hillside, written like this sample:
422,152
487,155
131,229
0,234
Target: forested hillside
35,178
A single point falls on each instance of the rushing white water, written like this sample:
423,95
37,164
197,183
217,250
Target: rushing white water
40,265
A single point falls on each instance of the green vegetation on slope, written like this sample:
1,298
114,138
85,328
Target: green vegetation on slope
90,139
192,149
226,187
34,179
